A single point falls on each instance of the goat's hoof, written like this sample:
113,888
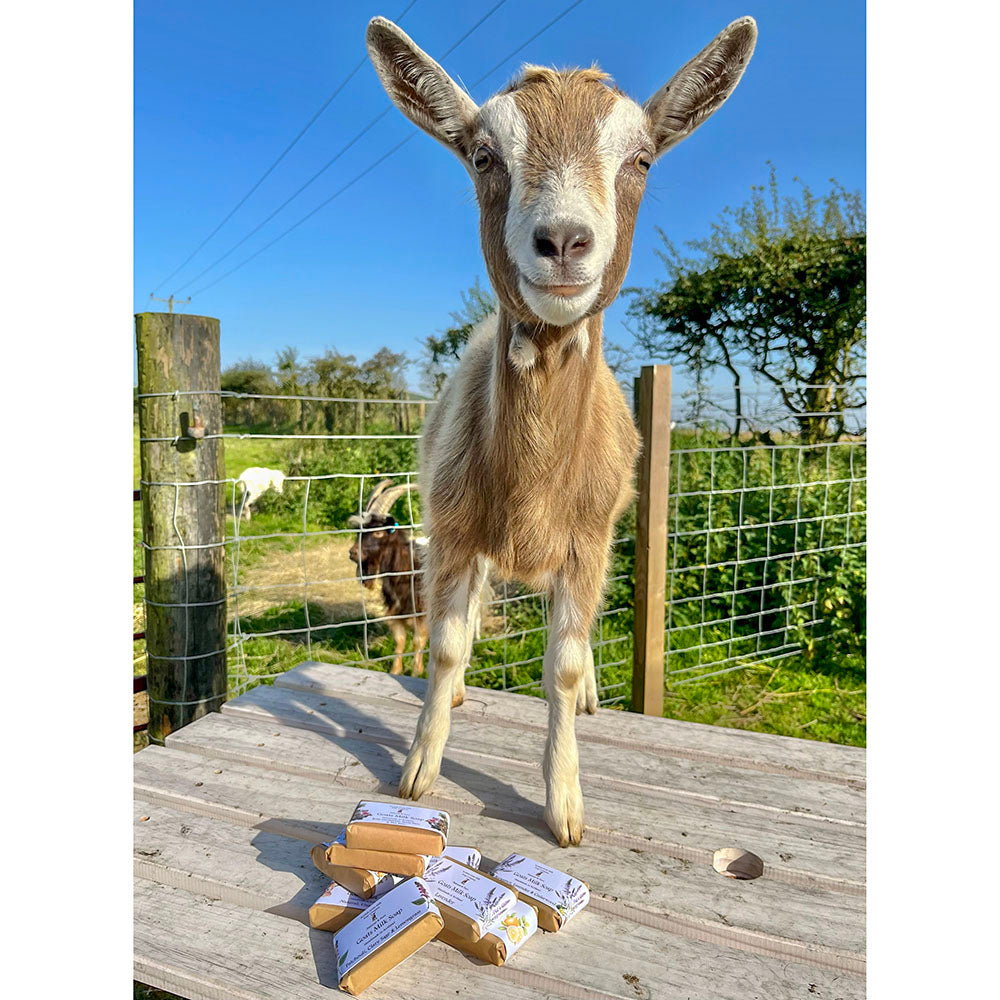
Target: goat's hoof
457,699
419,773
564,814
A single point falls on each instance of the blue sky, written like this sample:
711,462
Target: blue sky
221,89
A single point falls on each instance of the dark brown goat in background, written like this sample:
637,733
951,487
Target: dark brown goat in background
391,554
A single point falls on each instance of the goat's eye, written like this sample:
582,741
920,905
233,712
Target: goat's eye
643,161
482,159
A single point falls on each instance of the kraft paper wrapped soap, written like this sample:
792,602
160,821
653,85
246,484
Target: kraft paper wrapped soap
370,882
469,901
501,940
397,828
556,896
364,882
335,908
337,853
390,930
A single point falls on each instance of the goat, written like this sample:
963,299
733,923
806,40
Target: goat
528,458
383,549
256,481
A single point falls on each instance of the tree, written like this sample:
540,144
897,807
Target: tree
290,374
383,376
247,376
443,351
336,377
778,289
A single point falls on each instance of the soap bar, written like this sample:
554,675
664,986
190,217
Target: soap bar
387,932
339,854
397,828
369,882
466,855
335,908
469,900
555,895
502,939
364,882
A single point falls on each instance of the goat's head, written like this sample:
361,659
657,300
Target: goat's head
375,526
559,162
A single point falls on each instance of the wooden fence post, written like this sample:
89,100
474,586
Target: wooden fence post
652,404
183,526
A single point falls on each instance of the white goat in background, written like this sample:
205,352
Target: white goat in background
256,481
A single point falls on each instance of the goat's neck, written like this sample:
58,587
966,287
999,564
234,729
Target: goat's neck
542,382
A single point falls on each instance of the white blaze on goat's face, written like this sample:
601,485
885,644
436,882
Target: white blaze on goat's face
560,141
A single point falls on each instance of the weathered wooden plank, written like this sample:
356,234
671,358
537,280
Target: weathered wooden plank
795,849
206,949
579,962
632,772
669,737
272,872
643,882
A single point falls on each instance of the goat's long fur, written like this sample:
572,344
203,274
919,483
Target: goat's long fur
527,460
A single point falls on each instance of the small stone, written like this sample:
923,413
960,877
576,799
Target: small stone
260,744
142,819
198,784
218,770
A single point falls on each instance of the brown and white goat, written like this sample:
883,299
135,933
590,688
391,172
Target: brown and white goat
386,552
527,459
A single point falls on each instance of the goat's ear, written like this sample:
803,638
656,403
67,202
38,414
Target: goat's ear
420,88
698,89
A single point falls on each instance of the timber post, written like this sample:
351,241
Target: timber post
652,405
183,517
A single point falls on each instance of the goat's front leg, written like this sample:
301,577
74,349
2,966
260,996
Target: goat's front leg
398,630
449,595
479,574
419,641
568,658
586,693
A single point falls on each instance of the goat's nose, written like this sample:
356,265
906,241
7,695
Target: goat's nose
567,242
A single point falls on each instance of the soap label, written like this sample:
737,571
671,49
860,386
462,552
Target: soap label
381,921
467,855
402,815
470,893
563,893
515,927
337,895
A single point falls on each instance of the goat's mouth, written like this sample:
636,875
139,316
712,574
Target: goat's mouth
562,291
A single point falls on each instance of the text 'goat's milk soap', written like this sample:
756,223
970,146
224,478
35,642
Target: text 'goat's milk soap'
403,829
390,930
469,900
335,908
501,940
555,895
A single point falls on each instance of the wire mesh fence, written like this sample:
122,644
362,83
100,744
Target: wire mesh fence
766,515
759,524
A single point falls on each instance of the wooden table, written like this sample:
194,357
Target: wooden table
226,812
